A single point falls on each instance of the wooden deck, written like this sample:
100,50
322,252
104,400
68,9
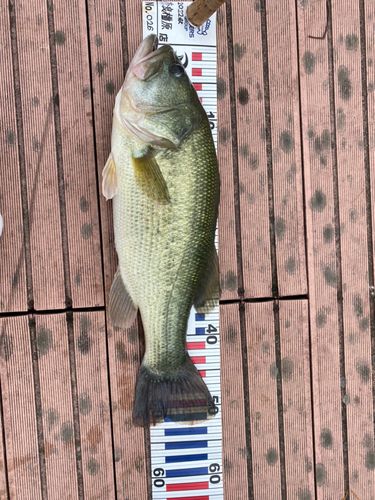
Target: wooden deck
296,129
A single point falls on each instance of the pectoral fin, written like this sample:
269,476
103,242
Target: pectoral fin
122,310
148,176
109,184
208,294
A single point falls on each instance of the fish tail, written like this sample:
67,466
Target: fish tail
181,396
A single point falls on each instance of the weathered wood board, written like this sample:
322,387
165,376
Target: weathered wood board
296,137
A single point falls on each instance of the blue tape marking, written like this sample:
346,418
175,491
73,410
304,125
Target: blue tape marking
185,432
186,472
200,331
188,444
199,317
186,458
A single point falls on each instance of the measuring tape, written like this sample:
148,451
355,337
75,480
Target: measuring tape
186,460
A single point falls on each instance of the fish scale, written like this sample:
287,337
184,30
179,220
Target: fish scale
150,226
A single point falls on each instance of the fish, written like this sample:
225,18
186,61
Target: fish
162,175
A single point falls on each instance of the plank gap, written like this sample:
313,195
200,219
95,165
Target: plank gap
368,188
279,385
236,182
245,371
21,159
59,155
76,423
38,409
340,311
267,115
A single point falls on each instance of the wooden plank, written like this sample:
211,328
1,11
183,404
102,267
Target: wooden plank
286,147
94,405
129,441
321,250
108,62
48,286
226,222
252,154
263,403
4,495
235,451
296,396
369,68
12,283
76,426
19,410
353,238
59,436
109,22
74,129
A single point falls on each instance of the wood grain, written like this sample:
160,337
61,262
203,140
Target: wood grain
229,280
59,438
296,399
40,163
19,410
252,154
286,147
235,451
75,153
263,404
107,71
111,22
280,400
353,238
322,230
13,281
94,405
129,441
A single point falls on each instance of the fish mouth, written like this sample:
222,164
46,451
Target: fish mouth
148,58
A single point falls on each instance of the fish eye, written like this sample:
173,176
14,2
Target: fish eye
177,69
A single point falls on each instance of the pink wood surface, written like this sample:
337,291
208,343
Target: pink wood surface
229,279
47,274
297,374
370,80
286,148
263,404
77,154
94,405
129,441
252,157
108,64
353,234
322,266
52,345
12,283
296,397
235,451
19,410
107,73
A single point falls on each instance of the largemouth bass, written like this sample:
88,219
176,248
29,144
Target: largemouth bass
163,177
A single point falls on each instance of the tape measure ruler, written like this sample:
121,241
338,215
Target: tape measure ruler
186,460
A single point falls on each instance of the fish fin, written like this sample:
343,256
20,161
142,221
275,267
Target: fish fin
109,184
122,310
149,177
181,397
208,294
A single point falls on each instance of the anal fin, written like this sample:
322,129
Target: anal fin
122,310
148,176
208,294
109,184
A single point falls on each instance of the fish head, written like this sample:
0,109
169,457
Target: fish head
157,102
